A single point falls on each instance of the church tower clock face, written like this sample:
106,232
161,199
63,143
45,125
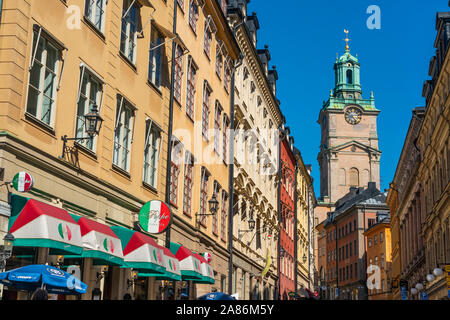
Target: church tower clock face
353,115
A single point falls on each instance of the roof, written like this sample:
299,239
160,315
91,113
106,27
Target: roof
358,196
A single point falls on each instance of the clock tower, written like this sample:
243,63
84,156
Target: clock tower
349,154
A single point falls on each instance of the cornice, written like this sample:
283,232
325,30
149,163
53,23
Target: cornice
250,53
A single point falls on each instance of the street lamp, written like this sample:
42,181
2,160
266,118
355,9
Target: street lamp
92,123
438,272
430,277
213,205
6,249
251,227
419,286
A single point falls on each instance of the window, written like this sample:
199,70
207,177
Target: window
376,261
349,77
193,15
354,225
151,153
205,110
219,59
226,124
356,270
155,58
215,227
370,242
226,77
128,37
190,96
217,126
90,94
350,249
204,196
351,271
178,73
382,260
223,216
123,134
381,236
42,83
95,13
207,39
346,251
354,246
175,171
375,239
188,184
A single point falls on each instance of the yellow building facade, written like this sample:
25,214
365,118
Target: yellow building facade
62,58
306,251
379,253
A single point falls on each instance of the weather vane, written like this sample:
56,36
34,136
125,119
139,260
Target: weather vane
347,48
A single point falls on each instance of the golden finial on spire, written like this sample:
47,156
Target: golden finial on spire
347,48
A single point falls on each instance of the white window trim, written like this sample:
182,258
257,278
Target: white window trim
102,84
153,123
59,70
130,142
102,26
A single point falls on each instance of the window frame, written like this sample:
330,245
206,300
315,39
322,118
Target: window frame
124,106
175,164
92,77
129,34
49,40
207,91
193,16
149,144
178,73
188,184
155,58
203,207
191,88
93,3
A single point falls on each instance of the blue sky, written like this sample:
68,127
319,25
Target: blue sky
304,37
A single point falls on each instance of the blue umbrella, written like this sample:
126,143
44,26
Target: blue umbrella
54,280
216,296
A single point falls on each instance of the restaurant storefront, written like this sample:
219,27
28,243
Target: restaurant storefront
115,262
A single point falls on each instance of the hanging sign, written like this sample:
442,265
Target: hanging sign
23,181
155,217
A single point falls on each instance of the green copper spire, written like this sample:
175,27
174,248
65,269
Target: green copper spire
347,88
347,71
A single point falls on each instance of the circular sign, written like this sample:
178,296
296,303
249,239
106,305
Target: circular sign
22,181
155,217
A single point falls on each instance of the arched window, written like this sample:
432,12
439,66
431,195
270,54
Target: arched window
354,177
349,76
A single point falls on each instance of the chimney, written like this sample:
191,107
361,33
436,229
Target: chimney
353,190
372,185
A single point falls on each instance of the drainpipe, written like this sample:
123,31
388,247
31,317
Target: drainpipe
231,170
295,228
279,211
170,129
